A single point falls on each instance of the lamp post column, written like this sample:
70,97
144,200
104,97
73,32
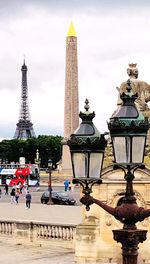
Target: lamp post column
129,239
50,202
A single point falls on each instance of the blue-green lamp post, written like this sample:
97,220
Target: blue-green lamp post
87,148
128,130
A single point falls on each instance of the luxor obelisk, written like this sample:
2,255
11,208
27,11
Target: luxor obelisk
71,106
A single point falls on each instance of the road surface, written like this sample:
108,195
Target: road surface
36,195
19,254
13,253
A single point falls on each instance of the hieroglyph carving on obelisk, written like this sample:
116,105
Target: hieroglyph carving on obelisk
71,107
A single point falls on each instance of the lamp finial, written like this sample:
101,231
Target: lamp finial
86,107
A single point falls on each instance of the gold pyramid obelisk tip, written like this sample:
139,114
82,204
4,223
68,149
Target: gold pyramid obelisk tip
71,31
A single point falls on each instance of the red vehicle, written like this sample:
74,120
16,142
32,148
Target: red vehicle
21,175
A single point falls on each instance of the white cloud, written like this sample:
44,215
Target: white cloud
108,39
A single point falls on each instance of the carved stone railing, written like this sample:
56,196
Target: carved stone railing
36,231
61,232
6,228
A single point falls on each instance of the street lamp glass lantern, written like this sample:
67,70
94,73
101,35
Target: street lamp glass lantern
128,130
50,163
129,149
87,148
87,164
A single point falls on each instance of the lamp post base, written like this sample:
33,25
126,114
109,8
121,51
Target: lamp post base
130,238
50,202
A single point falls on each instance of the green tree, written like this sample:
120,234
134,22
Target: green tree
49,147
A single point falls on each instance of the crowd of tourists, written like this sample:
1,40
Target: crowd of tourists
15,192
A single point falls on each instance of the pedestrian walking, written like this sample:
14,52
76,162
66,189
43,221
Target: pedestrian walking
28,199
17,194
6,188
25,189
66,184
14,186
12,195
69,186
0,193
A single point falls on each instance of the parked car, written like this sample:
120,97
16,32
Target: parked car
58,198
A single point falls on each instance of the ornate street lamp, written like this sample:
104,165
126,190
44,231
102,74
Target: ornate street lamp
50,164
36,160
87,147
128,130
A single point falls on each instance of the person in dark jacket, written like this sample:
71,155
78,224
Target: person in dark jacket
0,193
28,199
6,188
12,194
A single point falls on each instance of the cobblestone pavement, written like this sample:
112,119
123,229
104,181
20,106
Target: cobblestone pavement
19,254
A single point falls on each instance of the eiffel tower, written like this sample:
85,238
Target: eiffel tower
24,127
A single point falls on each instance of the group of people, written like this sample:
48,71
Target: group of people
16,191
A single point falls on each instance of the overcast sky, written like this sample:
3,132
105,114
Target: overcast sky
110,35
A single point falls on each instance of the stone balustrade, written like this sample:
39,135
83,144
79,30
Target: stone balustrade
61,232
6,228
36,231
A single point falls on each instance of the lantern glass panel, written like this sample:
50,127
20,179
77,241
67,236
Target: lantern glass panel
138,144
96,160
50,163
79,164
122,149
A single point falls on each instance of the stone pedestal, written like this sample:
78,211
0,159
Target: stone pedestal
66,161
24,232
87,240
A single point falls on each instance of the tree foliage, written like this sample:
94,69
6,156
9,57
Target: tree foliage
49,148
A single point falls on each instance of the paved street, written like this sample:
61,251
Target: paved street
40,212
21,254
36,195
